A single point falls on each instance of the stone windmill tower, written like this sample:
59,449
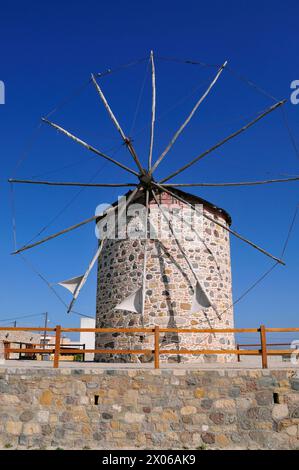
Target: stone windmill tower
173,264
178,276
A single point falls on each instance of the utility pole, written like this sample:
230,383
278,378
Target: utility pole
46,324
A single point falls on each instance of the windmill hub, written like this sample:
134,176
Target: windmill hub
146,179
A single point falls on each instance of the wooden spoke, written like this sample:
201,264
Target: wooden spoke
89,147
57,234
145,253
150,155
223,141
233,232
126,140
168,221
57,183
240,183
180,130
98,252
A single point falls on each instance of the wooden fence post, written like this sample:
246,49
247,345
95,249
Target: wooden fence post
57,346
238,355
6,348
264,347
157,347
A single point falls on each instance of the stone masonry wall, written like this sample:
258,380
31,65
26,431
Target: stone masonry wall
15,337
153,409
169,286
19,336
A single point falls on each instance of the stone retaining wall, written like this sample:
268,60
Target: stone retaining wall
165,409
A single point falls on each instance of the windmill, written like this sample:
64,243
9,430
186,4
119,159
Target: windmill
134,302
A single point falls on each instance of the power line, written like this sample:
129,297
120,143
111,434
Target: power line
82,87
12,319
186,61
139,99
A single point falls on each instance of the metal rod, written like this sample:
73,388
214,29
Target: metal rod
63,183
150,155
145,254
180,130
126,140
98,252
201,240
57,234
89,147
223,141
186,257
236,234
241,183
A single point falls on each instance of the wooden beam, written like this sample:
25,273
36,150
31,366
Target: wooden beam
182,127
282,330
253,352
88,147
187,260
25,328
264,347
59,183
157,348
240,183
223,141
57,346
57,234
233,232
145,254
126,140
98,252
150,155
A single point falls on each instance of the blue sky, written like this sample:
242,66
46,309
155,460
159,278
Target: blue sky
48,51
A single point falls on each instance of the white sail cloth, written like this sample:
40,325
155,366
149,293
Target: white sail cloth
71,284
132,303
200,299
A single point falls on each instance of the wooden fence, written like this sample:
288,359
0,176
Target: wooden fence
263,351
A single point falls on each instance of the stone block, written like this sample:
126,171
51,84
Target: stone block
280,411
46,398
264,397
134,417
31,428
295,384
225,403
199,392
14,427
26,415
188,410
208,437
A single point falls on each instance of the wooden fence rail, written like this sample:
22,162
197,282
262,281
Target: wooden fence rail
58,348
